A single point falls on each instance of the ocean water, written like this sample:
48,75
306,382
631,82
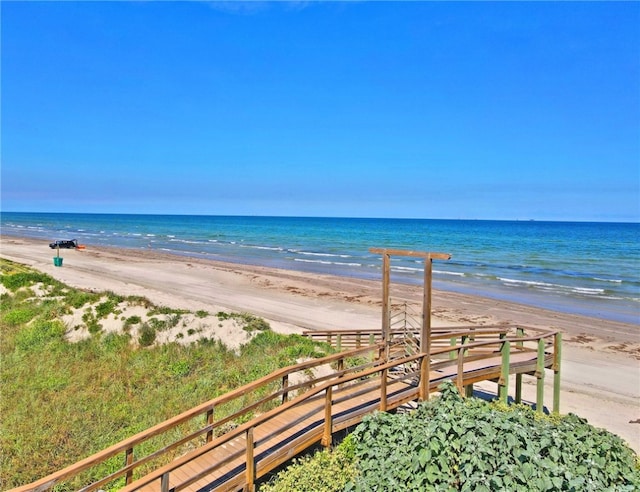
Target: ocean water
574,267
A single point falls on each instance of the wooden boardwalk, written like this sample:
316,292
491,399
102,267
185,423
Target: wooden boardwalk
289,411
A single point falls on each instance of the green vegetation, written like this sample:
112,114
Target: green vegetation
451,443
247,321
323,472
62,401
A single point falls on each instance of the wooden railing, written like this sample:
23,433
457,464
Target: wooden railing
351,339
466,361
281,389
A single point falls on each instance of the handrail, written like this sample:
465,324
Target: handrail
163,472
464,351
238,431
127,445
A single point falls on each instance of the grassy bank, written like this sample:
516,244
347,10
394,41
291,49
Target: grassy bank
70,389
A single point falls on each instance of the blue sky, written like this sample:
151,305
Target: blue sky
415,109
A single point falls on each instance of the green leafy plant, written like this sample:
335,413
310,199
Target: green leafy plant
322,472
451,443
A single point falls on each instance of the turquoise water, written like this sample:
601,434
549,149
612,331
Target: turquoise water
575,267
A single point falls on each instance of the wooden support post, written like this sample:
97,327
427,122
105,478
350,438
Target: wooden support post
372,339
519,334
339,342
383,390
327,436
518,388
425,335
557,359
129,461
251,464
452,343
540,377
468,390
464,340
164,482
520,345
386,320
285,385
460,376
210,422
505,350
423,393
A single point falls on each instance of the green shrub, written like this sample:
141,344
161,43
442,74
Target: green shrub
247,321
19,315
93,326
21,279
180,368
130,321
39,334
78,298
323,472
147,335
451,443
105,308
157,324
165,310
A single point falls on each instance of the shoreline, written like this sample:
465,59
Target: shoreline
546,268
448,306
600,375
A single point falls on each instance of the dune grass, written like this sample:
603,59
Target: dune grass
62,401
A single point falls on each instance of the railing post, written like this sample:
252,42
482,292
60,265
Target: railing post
129,461
504,372
557,357
520,345
519,334
372,339
540,376
164,482
339,342
251,465
460,377
285,385
519,388
383,390
328,423
423,393
468,390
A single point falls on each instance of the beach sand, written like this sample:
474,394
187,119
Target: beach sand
600,359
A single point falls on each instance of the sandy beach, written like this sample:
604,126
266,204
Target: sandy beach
600,364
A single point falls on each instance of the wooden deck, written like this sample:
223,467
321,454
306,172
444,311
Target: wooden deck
300,412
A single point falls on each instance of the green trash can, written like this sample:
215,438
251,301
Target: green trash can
57,261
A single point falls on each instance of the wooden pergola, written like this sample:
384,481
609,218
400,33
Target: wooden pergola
425,332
